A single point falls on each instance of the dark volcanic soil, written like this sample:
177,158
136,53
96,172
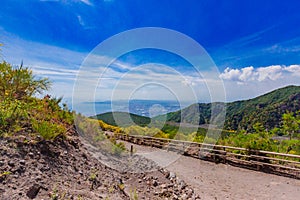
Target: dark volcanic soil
65,169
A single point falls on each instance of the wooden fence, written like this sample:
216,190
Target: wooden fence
270,162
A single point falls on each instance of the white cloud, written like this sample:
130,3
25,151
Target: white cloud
249,82
248,74
232,74
294,69
273,72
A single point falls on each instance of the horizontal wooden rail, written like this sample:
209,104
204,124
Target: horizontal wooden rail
272,162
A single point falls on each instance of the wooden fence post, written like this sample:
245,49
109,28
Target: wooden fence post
131,150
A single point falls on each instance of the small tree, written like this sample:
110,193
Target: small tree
260,130
17,88
19,82
290,124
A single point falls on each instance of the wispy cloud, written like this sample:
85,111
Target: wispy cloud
281,48
248,39
59,64
49,0
16,49
87,2
80,20
53,72
257,49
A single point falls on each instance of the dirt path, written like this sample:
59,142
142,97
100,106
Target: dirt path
220,181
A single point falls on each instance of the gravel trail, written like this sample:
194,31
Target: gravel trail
221,181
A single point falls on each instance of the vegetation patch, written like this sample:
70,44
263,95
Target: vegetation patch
21,112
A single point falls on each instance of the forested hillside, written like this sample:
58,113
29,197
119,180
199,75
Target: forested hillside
242,115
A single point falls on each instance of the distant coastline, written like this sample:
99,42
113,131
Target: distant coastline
148,108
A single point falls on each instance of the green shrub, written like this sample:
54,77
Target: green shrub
118,148
48,130
21,112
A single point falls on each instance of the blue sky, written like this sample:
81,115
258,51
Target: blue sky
254,44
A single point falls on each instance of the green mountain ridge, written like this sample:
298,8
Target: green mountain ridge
240,115
266,109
